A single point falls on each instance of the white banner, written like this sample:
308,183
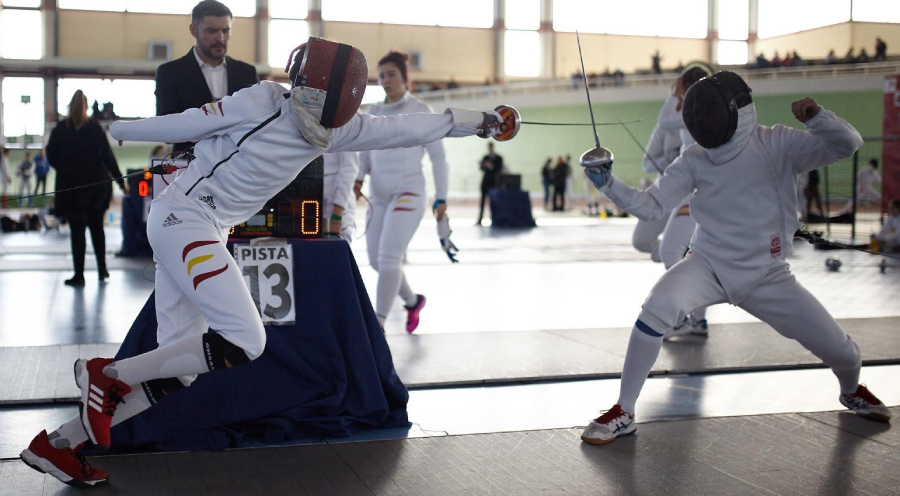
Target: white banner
268,270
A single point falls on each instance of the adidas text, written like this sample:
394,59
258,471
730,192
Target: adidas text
208,200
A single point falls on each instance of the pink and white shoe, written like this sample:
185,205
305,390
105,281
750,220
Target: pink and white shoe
412,313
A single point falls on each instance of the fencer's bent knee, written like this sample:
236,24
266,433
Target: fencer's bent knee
221,353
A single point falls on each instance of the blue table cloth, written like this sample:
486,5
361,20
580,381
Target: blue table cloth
511,208
134,229
331,374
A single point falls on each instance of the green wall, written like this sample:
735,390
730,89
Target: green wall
526,153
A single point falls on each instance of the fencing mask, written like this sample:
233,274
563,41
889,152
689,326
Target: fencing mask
710,108
331,78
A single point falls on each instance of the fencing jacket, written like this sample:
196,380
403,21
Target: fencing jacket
746,201
250,145
401,168
664,143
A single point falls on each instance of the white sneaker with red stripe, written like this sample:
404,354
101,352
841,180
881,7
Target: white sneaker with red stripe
100,395
67,465
607,427
866,405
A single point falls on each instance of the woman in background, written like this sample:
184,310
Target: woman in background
80,153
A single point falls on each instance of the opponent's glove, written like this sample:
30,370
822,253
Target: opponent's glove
443,229
597,165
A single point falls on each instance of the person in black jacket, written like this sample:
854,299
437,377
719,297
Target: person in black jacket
79,151
492,167
205,74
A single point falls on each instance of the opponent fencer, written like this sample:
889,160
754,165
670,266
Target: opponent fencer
249,147
737,167
338,201
397,196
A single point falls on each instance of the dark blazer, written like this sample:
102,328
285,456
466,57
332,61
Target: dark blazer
82,157
492,168
180,85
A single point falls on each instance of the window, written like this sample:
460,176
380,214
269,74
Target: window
876,10
21,34
108,5
35,4
288,9
523,14
373,94
734,19
130,97
676,19
777,17
522,53
239,8
20,117
461,13
284,36
732,52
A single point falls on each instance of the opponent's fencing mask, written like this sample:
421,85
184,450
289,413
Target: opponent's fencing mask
710,108
332,77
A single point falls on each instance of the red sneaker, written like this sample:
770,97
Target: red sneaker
67,465
100,395
866,405
607,427
412,313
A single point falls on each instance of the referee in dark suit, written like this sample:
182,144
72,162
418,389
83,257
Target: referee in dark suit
205,73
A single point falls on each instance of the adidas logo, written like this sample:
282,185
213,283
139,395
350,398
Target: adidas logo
95,398
208,200
171,220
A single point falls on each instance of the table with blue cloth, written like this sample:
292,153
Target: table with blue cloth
511,208
330,374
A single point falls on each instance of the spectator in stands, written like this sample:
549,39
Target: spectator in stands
849,58
619,77
762,62
796,61
880,49
776,60
79,151
655,58
491,167
863,56
24,170
680,68
41,168
452,84
547,181
831,58
788,60
5,179
890,231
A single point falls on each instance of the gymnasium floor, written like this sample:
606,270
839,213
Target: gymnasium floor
520,346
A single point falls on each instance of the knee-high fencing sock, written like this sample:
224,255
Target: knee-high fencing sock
643,350
389,277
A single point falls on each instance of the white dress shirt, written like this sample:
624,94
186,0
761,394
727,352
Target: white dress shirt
216,77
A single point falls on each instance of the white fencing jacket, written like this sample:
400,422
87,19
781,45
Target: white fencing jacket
400,169
746,199
251,145
337,184
664,144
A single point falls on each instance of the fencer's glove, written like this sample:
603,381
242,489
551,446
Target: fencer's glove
443,229
599,175
490,126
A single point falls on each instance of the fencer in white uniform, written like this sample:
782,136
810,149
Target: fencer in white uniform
338,202
249,146
889,236
736,167
397,196
867,179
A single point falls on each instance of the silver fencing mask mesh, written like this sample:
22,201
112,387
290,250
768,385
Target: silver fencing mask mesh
710,108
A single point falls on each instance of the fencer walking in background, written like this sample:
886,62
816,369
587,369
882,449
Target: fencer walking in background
397,196
736,167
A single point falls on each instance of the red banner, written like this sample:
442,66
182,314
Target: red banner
890,151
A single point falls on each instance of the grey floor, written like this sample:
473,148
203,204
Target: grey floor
519,347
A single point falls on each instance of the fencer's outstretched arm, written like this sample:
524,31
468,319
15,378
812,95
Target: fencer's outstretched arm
368,132
198,123
829,139
654,203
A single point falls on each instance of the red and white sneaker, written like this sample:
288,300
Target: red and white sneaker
67,465
412,313
607,427
100,395
866,405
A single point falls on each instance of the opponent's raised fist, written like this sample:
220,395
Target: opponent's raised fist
805,109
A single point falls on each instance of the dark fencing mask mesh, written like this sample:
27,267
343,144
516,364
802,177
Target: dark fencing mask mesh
710,108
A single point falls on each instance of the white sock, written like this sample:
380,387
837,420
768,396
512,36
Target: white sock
181,358
643,349
72,433
849,379
389,277
406,293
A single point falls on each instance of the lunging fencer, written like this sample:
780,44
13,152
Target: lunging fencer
737,166
397,196
249,147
